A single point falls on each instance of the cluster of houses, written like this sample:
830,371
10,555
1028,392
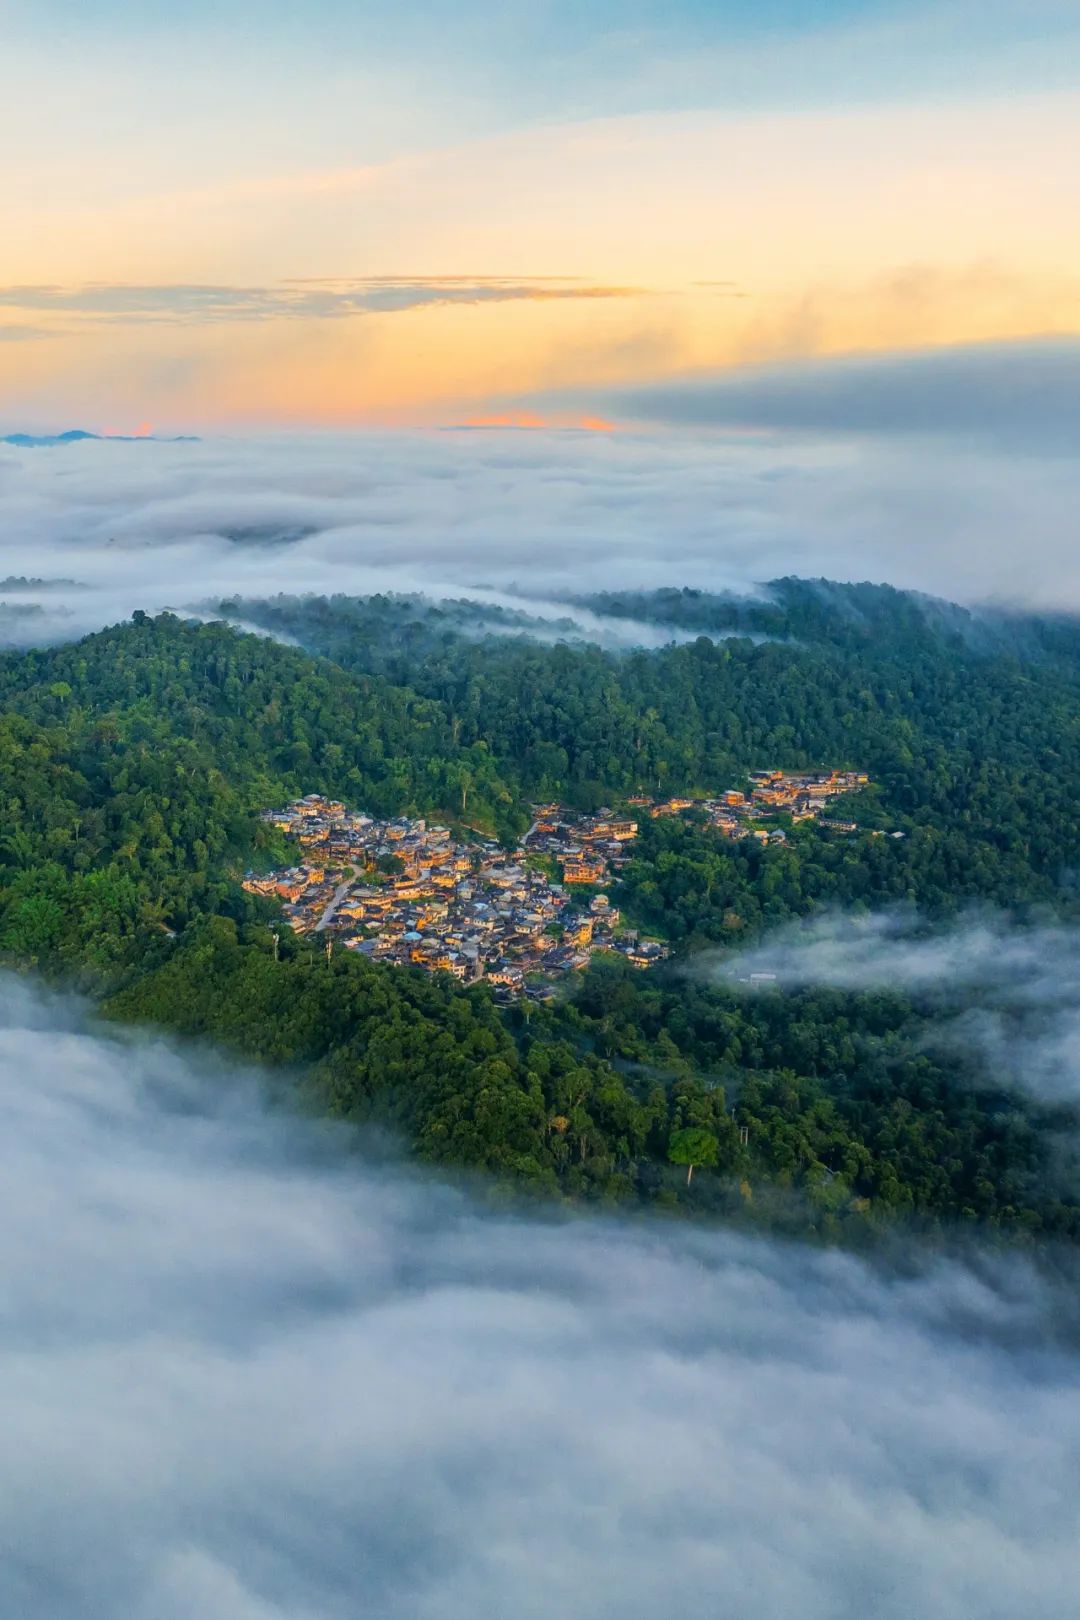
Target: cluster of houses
586,849
800,796
404,892
590,849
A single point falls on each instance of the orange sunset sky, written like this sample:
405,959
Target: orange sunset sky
243,217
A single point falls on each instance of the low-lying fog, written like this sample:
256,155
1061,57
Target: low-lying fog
528,515
1003,992
250,1377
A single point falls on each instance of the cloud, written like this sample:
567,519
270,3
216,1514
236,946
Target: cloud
22,334
529,517
893,950
1001,992
195,304
434,513
1022,395
250,1375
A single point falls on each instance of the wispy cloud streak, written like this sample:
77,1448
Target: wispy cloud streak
194,303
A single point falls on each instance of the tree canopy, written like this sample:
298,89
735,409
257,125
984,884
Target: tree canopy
134,765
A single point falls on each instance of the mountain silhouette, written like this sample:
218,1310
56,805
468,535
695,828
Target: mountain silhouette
37,441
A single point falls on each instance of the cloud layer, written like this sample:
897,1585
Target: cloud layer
528,516
1016,395
252,1377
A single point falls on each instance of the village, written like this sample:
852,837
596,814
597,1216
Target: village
406,892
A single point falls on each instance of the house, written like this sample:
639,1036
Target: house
505,973
260,885
619,831
312,836
583,869
727,825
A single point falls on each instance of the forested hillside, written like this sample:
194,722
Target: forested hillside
133,766
969,728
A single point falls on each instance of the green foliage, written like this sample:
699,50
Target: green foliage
970,728
133,765
693,1146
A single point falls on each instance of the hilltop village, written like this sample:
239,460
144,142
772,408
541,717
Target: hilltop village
405,892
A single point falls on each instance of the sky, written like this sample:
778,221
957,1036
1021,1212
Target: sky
241,216
514,301
251,1373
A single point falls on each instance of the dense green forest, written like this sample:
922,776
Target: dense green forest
971,734
133,765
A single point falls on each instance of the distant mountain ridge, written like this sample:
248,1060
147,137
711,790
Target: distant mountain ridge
39,441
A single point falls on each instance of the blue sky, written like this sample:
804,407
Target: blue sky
558,58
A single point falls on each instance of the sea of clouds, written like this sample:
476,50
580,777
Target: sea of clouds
524,518
251,1375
